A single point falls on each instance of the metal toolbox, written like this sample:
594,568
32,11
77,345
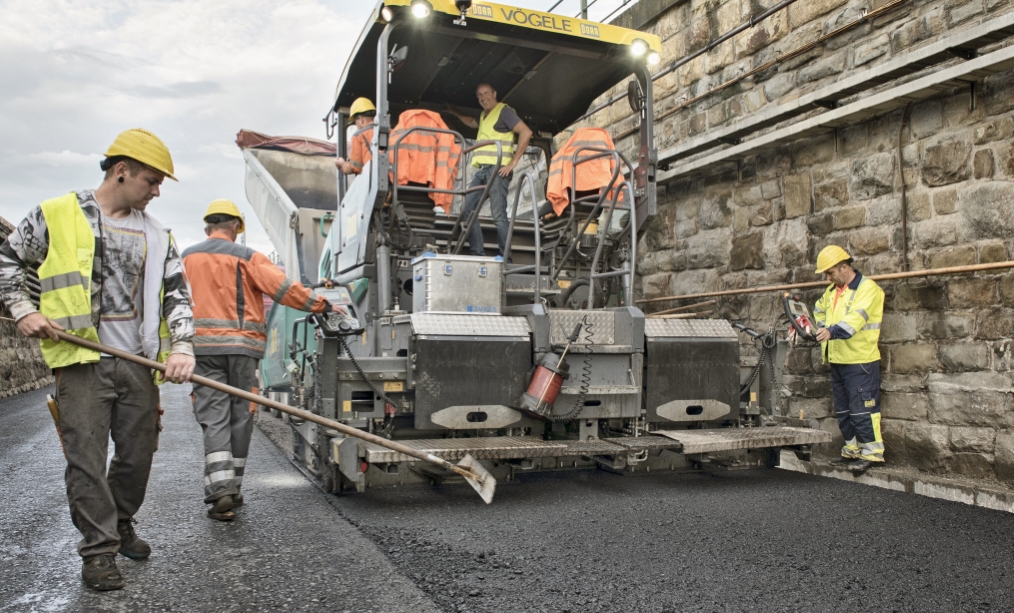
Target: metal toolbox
456,284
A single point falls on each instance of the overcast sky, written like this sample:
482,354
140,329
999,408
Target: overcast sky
73,74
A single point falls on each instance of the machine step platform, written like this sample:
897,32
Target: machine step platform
726,439
680,441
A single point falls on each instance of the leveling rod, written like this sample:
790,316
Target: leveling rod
474,473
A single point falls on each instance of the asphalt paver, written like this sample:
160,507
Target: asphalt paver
288,549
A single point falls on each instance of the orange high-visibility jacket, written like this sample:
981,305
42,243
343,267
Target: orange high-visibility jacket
361,152
591,175
427,158
227,283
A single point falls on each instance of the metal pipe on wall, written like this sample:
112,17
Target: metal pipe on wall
952,270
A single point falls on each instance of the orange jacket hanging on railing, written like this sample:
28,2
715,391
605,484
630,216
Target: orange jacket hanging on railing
592,175
426,158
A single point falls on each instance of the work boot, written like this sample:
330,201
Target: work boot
100,573
843,461
131,545
237,500
222,509
861,467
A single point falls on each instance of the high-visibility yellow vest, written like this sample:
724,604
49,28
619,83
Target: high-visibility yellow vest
65,278
859,311
486,156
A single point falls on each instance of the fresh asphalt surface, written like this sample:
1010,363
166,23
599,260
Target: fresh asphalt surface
587,541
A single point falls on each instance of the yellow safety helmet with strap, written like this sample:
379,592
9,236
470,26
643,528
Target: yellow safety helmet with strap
830,256
145,147
225,207
360,106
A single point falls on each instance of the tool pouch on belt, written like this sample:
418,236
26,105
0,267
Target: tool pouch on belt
54,410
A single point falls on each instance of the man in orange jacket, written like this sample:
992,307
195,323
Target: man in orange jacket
228,282
363,114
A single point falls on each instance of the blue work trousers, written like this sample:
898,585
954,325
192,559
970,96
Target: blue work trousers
497,206
855,390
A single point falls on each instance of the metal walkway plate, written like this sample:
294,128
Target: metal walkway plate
492,448
725,439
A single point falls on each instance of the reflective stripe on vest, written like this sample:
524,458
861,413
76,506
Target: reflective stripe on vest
486,156
65,279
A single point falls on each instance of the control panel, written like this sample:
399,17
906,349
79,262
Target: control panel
799,316
336,323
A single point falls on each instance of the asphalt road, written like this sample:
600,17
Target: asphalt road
576,542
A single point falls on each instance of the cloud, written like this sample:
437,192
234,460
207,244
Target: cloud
65,158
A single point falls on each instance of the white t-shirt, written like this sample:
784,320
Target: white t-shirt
123,259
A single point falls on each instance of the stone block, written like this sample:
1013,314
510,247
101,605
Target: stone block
1007,289
927,446
964,357
919,208
708,249
963,12
872,176
799,361
872,49
845,219
813,151
894,433
741,220
966,293
830,194
946,161
1003,462
820,225
940,324
980,399
929,25
906,359
671,260
945,201
762,34
884,211
971,465
908,407
747,251
898,327
762,214
989,209
996,130
697,35
853,140
810,408
802,13
870,242
910,297
716,210
823,68
992,251
958,255
982,164
926,119
994,324
902,384
938,232
972,439
797,195
770,189
657,285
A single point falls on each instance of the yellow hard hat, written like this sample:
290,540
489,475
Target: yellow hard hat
360,106
145,147
829,256
225,207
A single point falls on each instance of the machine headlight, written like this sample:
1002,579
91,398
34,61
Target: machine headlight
638,47
421,9
653,58
386,13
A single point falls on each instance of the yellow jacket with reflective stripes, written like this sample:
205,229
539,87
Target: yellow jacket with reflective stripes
65,281
854,322
486,156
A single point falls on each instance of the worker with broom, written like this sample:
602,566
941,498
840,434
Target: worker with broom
109,272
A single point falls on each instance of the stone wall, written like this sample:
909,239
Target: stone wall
21,365
946,344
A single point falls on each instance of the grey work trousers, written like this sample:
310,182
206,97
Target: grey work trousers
227,421
109,397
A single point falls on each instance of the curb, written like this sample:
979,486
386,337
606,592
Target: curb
988,497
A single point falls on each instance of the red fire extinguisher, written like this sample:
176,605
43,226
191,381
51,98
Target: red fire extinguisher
548,378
